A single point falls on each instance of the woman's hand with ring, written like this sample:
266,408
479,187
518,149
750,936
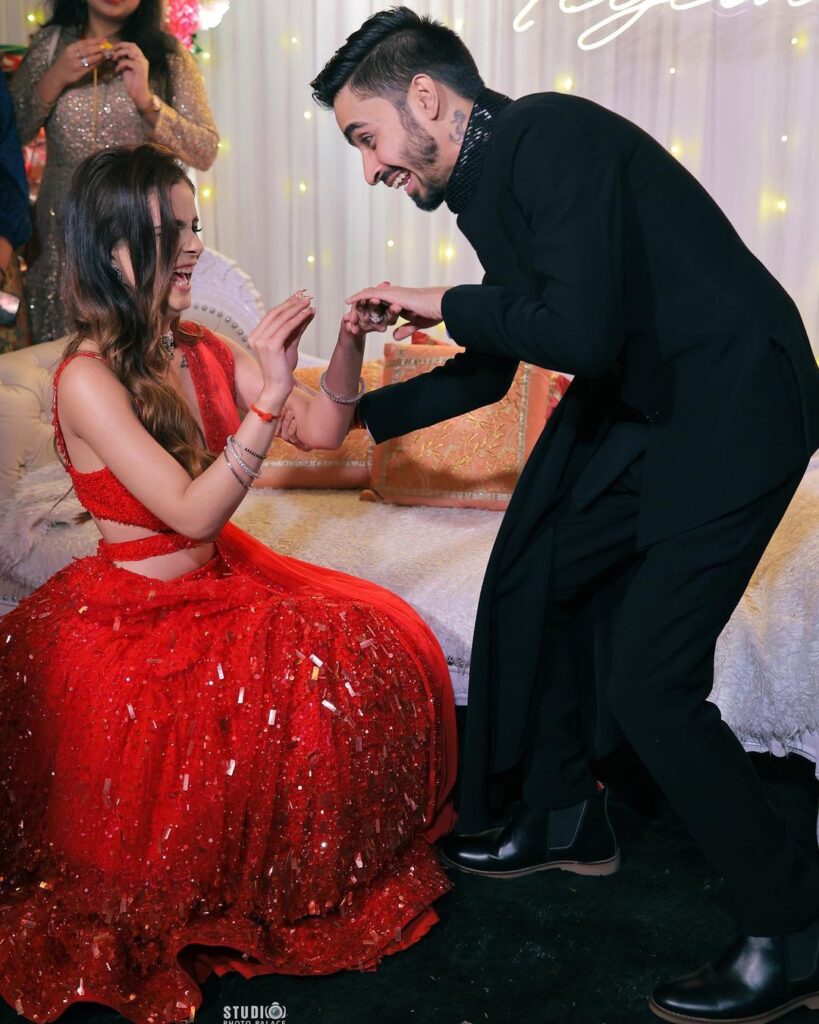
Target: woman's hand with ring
76,60
420,306
364,317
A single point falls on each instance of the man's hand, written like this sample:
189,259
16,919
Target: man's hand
364,317
421,307
289,430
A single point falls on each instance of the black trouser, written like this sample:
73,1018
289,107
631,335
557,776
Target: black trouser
678,596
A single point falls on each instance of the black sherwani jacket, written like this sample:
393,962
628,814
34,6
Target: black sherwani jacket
603,258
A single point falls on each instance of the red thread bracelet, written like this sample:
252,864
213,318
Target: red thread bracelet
266,417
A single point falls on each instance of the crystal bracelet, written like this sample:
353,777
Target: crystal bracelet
362,387
233,471
235,447
245,448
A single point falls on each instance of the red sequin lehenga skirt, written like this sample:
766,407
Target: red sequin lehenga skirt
240,769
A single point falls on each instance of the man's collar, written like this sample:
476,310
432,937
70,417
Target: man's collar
467,170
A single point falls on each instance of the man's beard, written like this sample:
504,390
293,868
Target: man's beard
421,150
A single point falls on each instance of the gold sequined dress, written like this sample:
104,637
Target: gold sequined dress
83,120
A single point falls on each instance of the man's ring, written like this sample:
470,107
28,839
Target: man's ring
376,318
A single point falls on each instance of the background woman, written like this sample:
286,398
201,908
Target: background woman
211,756
100,74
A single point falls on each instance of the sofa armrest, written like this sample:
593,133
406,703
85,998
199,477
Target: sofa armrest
26,433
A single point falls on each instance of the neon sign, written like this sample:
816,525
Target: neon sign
622,14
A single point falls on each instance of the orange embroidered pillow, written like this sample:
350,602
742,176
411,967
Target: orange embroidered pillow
348,466
472,461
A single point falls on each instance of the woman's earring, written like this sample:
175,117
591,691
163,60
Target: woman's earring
117,271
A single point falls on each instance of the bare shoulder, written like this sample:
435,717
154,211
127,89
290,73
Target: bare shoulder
78,368
87,384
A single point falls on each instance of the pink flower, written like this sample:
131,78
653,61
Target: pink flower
182,20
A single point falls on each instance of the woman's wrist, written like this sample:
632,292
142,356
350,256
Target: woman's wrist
271,401
349,343
149,107
350,391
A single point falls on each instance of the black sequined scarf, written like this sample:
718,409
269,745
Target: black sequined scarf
468,166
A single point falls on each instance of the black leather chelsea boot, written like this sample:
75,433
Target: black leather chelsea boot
757,979
577,838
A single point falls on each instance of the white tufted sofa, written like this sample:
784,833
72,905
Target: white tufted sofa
223,297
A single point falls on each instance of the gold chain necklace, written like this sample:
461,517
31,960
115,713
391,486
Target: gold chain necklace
94,108
105,46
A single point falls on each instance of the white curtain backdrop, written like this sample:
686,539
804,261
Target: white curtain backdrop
286,197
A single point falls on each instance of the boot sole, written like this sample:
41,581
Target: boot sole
595,868
809,1001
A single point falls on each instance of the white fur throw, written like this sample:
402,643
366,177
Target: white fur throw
766,679
39,533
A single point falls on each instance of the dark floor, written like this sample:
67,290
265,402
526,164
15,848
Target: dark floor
553,948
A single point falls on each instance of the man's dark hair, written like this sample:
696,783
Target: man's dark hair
383,56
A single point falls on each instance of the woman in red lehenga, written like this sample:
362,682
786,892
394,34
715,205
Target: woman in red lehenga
212,757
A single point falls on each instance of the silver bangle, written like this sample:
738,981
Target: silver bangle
362,387
245,448
233,471
235,447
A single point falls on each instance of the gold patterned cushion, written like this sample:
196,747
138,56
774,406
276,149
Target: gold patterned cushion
471,461
348,466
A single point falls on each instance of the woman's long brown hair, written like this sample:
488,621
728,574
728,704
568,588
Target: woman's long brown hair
109,203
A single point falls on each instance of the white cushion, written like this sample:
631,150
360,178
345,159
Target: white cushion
26,434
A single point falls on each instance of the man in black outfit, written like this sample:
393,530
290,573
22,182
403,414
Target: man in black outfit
649,498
